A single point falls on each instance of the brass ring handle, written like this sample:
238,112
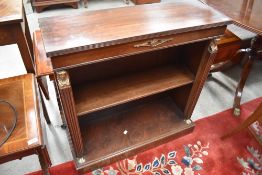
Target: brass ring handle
153,42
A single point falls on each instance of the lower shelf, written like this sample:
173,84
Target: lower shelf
114,134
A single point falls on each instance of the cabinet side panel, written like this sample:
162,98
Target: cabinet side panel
67,101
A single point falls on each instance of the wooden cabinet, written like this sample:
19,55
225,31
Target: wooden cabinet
128,83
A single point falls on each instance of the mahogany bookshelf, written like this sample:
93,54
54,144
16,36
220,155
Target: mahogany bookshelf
129,83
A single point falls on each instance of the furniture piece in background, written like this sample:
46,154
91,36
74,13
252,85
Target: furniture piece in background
246,14
256,116
40,5
14,30
27,137
139,2
229,45
131,86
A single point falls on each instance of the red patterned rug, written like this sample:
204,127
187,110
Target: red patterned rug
199,153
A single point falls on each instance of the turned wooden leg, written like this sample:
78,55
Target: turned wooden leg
44,159
44,108
241,84
257,115
226,64
221,66
68,104
251,53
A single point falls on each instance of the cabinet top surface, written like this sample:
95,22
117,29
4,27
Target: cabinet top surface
11,11
95,29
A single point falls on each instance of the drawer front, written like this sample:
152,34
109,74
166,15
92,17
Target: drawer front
147,45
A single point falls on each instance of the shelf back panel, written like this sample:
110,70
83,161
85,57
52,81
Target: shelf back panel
124,66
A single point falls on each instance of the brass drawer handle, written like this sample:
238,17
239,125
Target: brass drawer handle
153,42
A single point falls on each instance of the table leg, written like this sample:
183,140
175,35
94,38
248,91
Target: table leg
44,159
28,34
251,53
47,119
241,84
24,49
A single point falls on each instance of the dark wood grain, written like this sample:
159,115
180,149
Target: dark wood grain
99,95
97,29
122,50
11,11
146,122
245,13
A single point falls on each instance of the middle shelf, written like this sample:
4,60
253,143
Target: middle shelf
94,96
